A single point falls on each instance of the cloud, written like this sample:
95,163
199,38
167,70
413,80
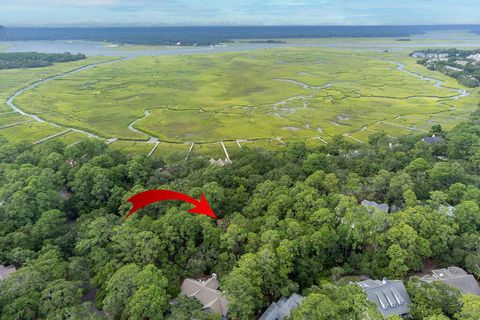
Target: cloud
67,3
237,12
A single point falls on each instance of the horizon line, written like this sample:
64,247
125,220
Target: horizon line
238,25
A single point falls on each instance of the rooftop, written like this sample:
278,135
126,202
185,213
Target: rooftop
390,296
6,271
206,292
455,277
282,309
380,206
434,139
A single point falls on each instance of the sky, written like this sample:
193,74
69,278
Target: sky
236,12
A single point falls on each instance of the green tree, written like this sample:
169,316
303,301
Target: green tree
58,296
337,303
150,300
432,299
243,287
185,308
470,308
120,288
51,225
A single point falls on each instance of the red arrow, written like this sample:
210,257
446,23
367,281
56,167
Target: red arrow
145,198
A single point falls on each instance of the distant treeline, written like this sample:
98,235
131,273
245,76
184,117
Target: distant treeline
263,41
202,36
13,60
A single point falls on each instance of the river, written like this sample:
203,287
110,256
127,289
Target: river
92,48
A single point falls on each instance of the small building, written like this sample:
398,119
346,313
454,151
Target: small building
220,162
418,54
390,296
475,57
282,309
372,204
462,63
205,291
434,139
5,271
454,69
454,277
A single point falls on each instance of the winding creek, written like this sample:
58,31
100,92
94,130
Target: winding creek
131,127
11,103
436,82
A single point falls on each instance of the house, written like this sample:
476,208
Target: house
434,139
220,162
454,277
418,54
437,55
5,271
372,204
454,69
205,291
390,296
462,63
282,309
475,57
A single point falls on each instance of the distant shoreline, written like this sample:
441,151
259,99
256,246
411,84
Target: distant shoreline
214,35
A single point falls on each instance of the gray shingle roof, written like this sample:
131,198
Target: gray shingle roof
282,309
6,271
206,292
380,206
433,139
455,277
390,296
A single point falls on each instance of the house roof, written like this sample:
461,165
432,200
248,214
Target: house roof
6,271
282,309
380,206
455,277
206,292
433,139
390,296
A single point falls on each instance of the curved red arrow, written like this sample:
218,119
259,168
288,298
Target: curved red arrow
145,198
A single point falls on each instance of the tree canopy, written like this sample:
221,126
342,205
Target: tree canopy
290,221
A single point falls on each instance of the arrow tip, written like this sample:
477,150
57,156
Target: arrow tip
203,207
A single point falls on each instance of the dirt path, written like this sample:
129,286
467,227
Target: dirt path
153,149
14,124
225,150
53,136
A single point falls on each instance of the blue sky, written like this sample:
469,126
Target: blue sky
237,12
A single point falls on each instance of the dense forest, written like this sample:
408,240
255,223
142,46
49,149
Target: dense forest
289,221
463,65
13,60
